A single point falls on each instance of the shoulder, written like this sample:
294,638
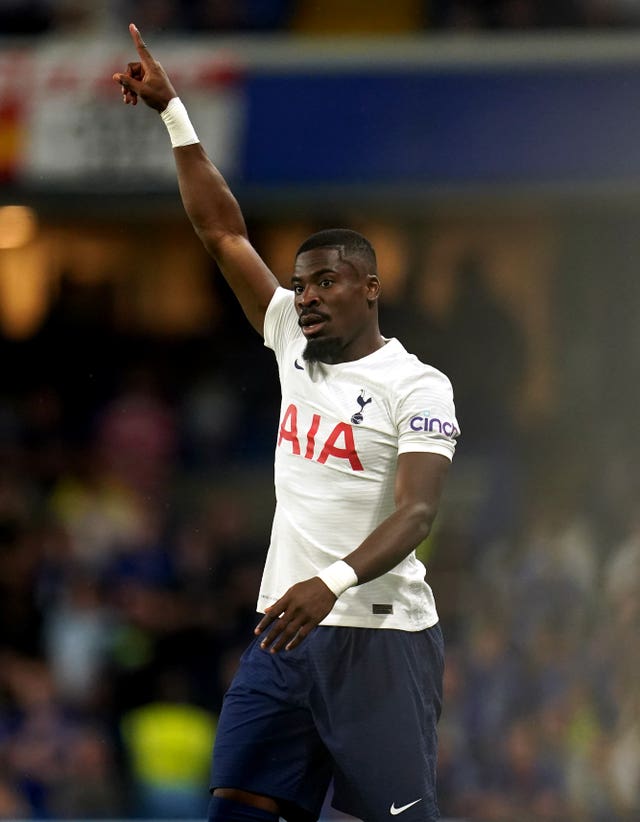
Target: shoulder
423,408
405,371
281,320
281,302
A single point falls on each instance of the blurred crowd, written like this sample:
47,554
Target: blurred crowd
129,564
310,16
543,709
135,496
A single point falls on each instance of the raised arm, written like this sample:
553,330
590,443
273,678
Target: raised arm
213,210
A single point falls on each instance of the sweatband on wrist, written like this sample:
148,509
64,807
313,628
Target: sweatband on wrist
178,124
338,577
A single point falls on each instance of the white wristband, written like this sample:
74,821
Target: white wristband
178,124
338,577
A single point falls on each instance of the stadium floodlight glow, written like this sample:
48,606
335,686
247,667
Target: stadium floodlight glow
18,226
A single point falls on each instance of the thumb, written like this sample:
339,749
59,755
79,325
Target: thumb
128,82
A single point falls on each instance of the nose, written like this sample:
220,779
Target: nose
309,296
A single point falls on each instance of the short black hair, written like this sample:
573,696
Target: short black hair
348,242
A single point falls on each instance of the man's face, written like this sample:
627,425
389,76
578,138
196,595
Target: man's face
335,301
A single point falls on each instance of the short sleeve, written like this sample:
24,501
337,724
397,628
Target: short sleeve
280,321
426,416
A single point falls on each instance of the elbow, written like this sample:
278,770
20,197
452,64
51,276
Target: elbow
215,240
421,515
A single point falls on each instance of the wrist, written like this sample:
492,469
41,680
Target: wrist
338,577
176,119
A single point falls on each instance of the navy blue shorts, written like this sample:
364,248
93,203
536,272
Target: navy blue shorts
357,705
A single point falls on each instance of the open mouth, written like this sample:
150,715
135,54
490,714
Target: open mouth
311,324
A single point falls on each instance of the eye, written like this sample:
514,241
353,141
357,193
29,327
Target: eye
298,289
326,283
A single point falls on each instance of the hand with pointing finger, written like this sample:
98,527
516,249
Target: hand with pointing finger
145,78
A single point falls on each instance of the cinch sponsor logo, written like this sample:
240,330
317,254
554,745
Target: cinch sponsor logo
425,422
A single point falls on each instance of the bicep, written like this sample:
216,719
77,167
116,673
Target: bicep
250,279
420,478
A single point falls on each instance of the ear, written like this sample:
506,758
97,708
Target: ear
373,288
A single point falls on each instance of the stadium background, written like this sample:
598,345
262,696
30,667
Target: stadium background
491,151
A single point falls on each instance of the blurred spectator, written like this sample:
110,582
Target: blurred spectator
20,611
488,374
531,785
623,767
77,634
97,513
47,751
168,743
42,435
89,786
621,571
136,435
585,751
12,804
458,770
211,412
492,694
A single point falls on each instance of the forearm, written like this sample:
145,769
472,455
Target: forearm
218,222
207,199
392,541
217,219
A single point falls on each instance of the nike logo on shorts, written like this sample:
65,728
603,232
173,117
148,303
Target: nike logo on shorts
395,811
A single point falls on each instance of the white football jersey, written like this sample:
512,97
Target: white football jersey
341,429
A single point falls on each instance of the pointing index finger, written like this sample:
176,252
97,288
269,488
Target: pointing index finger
141,48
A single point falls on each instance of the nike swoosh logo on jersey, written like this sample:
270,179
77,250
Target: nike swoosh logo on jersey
395,811
298,366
